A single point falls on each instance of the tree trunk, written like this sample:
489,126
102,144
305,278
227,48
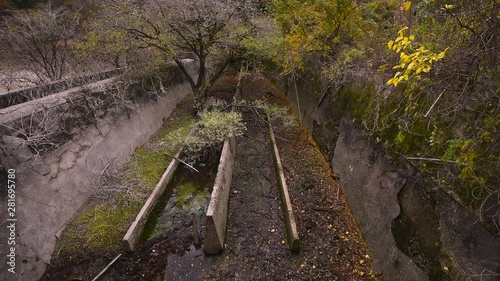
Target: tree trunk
198,100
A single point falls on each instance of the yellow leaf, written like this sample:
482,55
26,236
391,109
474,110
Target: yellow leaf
390,44
407,5
392,81
401,31
448,6
412,37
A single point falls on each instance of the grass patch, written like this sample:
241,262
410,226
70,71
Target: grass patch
152,160
150,165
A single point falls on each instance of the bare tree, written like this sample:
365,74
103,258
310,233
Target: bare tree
41,39
211,30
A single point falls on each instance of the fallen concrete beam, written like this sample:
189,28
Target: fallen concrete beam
134,233
24,95
19,111
218,209
291,225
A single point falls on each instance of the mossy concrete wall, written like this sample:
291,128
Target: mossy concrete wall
217,212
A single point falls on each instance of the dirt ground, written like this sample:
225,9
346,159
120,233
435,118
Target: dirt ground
331,247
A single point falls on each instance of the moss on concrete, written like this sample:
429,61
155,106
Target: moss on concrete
98,228
152,160
185,191
101,225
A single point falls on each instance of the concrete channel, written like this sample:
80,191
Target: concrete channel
135,231
218,209
217,212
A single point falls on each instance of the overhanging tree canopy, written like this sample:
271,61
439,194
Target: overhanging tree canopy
211,30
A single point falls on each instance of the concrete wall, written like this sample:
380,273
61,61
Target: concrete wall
371,188
218,209
286,203
217,212
439,232
53,186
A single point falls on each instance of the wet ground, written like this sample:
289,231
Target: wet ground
187,194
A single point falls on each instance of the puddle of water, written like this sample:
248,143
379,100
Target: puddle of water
187,194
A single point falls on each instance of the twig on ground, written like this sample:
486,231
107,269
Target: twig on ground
105,168
189,166
106,268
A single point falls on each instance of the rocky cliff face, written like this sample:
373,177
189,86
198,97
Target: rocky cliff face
415,232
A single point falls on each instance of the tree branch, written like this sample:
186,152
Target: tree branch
186,74
432,106
219,72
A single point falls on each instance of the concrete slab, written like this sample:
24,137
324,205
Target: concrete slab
216,221
18,111
291,225
24,95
